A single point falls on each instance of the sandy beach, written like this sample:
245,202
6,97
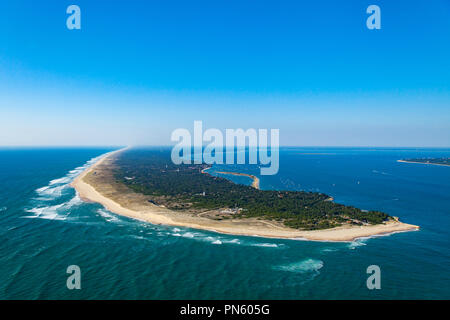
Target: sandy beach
255,179
426,163
96,184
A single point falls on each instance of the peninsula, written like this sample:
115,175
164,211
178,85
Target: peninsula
144,184
433,161
255,179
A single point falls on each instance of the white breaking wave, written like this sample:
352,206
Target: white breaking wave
55,187
107,215
361,241
198,236
304,266
50,212
203,237
55,190
75,201
61,180
55,212
357,243
329,250
188,235
3,209
267,245
50,193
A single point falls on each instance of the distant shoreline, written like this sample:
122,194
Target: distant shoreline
255,183
429,163
120,200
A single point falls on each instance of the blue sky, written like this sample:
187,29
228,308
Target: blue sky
137,70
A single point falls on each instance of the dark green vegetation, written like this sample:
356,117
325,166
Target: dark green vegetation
442,161
185,187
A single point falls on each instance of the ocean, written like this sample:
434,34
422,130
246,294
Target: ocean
45,227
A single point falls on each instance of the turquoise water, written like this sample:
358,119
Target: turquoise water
45,227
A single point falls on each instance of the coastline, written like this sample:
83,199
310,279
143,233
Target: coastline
135,206
255,179
427,163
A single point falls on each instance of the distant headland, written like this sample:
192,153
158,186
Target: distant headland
433,161
255,179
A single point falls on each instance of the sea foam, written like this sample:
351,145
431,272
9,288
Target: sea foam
54,192
357,243
304,266
266,245
107,215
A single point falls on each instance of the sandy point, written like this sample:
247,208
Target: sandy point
120,200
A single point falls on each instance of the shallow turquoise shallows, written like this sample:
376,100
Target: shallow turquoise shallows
45,227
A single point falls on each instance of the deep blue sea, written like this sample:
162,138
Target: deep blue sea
45,227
